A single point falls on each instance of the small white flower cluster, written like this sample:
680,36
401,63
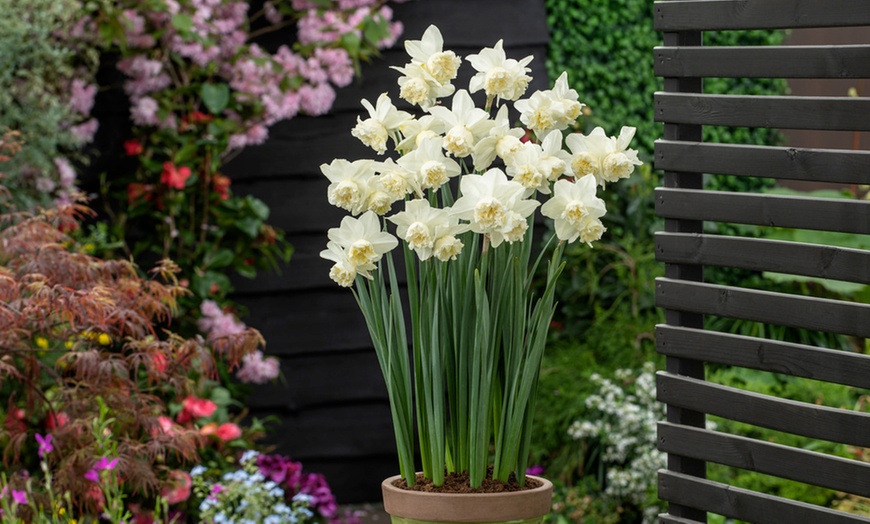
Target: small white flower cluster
245,497
433,148
624,426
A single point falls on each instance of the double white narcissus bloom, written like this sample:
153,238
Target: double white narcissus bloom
575,210
429,230
499,77
502,141
465,124
349,183
494,206
547,110
355,247
608,159
428,53
384,120
429,164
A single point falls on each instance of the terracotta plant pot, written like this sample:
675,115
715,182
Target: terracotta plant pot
516,507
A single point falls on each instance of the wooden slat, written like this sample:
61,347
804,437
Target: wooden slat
782,112
798,311
667,518
818,165
844,215
745,504
796,258
827,471
851,61
799,418
798,360
705,15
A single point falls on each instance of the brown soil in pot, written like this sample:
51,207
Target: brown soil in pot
459,483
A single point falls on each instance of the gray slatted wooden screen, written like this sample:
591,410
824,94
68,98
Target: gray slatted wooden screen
685,249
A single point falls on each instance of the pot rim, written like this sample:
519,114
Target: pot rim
467,507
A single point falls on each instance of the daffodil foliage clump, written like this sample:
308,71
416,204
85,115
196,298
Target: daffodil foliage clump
81,342
477,329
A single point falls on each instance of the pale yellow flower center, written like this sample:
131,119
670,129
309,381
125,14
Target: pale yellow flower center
584,163
507,146
434,174
371,133
592,231
415,91
518,228
574,212
497,81
361,253
342,276
528,176
447,248
616,166
423,135
418,236
345,195
459,141
541,119
379,202
573,109
394,184
443,66
553,168
490,214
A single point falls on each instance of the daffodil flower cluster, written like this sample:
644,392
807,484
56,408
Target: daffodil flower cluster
504,172
457,186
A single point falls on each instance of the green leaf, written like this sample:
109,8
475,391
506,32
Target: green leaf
182,23
249,226
202,284
260,209
221,258
351,42
215,96
246,271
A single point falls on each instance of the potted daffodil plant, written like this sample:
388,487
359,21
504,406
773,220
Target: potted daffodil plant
457,188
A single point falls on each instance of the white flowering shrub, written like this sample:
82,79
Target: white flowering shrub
624,414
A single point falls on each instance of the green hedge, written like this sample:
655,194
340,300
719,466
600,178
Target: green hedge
607,48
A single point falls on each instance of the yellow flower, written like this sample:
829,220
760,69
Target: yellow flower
41,342
89,248
68,344
104,339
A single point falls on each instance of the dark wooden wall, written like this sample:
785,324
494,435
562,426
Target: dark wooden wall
685,249
333,409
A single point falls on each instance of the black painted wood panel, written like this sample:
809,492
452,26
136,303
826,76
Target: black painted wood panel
799,311
798,360
705,15
827,471
745,504
799,418
796,258
818,165
848,216
764,62
781,112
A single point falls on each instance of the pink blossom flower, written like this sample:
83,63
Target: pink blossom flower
105,464
144,111
65,171
214,322
82,96
195,408
174,176
271,13
258,370
19,497
44,445
84,133
338,65
178,486
45,184
316,101
92,475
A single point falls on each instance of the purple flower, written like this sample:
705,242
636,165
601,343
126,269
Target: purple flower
280,469
105,463
314,484
258,370
535,470
44,445
93,476
20,497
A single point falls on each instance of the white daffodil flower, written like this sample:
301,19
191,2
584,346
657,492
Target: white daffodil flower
343,272
492,204
502,141
362,240
465,124
429,164
575,210
420,88
538,112
429,54
524,167
395,180
348,188
384,119
554,160
587,152
417,224
571,108
499,77
415,131
620,161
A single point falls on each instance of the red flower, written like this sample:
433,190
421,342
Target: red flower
198,117
228,431
137,191
15,421
159,362
133,147
194,408
56,420
221,186
174,176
